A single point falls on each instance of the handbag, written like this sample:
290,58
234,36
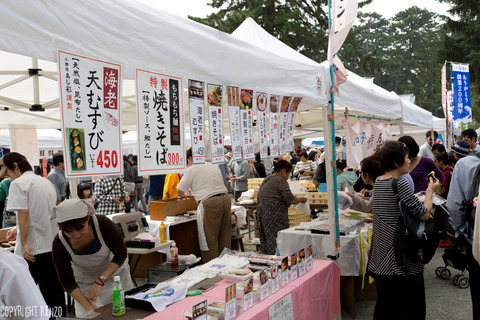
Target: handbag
97,203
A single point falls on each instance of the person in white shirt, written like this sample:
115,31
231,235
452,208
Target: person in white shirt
32,197
426,148
17,288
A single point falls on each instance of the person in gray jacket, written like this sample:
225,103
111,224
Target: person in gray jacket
241,173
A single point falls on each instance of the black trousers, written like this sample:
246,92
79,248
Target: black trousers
474,277
400,297
44,273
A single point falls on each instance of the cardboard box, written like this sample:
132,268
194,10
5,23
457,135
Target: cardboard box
159,209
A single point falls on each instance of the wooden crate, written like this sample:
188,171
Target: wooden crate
254,183
308,184
295,217
159,209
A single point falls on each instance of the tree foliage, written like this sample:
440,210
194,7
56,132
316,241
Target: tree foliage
461,43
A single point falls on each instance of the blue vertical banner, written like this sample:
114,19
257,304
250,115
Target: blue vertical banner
462,106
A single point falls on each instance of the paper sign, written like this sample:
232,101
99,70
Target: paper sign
161,148
274,125
246,113
215,120
263,284
293,267
199,311
282,309
309,258
292,111
274,275
196,101
262,102
90,99
301,262
248,293
233,95
23,139
284,272
284,124
462,104
231,302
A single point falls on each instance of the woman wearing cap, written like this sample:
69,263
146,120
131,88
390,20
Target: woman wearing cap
87,252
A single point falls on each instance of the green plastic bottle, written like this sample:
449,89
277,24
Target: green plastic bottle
118,297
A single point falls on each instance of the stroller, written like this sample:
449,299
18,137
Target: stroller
455,256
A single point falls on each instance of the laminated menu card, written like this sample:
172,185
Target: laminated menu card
309,258
284,272
301,262
293,267
274,276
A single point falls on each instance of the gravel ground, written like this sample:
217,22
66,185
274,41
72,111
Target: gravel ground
444,300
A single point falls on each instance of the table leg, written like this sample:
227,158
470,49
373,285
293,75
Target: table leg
134,267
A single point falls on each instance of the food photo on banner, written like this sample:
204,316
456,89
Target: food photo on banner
262,104
215,121
161,148
246,113
274,124
233,97
90,99
196,101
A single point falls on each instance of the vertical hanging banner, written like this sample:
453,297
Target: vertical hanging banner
233,97
444,90
215,120
462,106
284,124
362,140
262,102
90,99
196,104
161,148
23,139
246,113
292,111
274,120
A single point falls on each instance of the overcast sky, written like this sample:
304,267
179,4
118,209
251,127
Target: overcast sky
387,8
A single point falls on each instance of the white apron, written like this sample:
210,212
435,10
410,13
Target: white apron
202,239
87,268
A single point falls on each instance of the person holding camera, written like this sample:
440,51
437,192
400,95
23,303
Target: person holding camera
110,194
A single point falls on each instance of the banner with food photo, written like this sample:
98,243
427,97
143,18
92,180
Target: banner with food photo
292,111
233,96
262,103
215,121
274,124
196,103
246,113
161,148
90,100
283,130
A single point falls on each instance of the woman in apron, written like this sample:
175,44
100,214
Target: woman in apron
88,252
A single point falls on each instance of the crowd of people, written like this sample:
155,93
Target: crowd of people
69,245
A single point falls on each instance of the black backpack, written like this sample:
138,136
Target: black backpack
470,203
415,239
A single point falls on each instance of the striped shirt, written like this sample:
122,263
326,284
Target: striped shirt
305,166
385,216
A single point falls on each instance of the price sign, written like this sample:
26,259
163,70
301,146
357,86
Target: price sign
262,102
215,114
293,267
233,95
231,302
246,113
284,272
90,99
282,309
309,258
196,100
301,262
248,293
274,125
274,275
263,284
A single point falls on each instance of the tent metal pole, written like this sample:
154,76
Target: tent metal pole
36,87
401,120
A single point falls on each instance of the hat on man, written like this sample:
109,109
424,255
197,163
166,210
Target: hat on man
229,154
71,209
462,148
7,160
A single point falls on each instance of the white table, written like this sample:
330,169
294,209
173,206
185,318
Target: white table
291,240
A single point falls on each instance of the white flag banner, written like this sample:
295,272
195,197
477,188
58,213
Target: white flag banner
363,140
274,125
161,148
344,13
246,112
292,111
196,104
233,95
215,120
262,102
90,99
284,124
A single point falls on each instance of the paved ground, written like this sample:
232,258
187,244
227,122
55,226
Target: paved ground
444,300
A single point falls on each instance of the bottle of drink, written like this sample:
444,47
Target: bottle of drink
163,232
173,255
118,297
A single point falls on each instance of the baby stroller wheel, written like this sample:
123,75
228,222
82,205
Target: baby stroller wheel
438,271
463,282
455,279
445,274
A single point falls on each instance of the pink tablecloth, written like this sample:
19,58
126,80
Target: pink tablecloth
315,295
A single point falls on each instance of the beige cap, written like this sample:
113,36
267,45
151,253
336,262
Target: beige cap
7,160
229,154
71,209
